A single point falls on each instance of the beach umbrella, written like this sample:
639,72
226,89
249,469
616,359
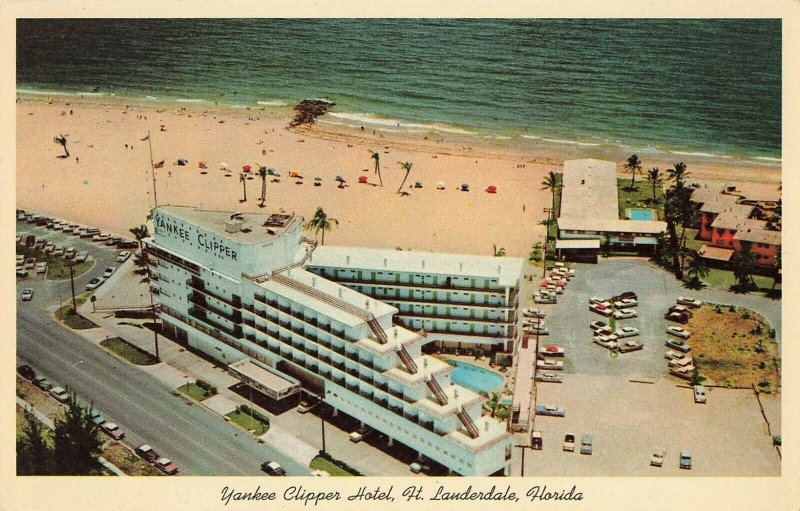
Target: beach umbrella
340,179
294,173
270,171
543,283
182,161
317,179
465,187
440,185
492,189
418,184
223,166
362,179
246,168
202,164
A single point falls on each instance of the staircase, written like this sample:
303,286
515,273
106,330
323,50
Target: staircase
377,330
437,390
466,420
407,360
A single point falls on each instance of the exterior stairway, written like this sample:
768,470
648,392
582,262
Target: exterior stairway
437,390
466,420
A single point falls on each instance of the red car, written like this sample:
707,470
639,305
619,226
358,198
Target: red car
166,466
112,430
147,452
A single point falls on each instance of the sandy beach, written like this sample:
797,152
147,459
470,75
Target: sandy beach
107,185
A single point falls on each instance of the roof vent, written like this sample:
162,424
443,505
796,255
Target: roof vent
455,392
486,426
348,259
423,264
498,268
395,332
460,266
233,225
366,304
385,262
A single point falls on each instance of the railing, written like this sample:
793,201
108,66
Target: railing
166,256
200,301
410,299
378,283
407,360
377,330
199,285
236,332
437,390
451,317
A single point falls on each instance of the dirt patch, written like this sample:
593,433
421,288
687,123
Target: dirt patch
734,348
127,461
38,398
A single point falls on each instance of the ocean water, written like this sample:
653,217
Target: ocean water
690,88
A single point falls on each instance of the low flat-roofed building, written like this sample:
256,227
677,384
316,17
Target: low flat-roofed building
590,208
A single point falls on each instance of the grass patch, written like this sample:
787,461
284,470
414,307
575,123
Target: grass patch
56,266
640,197
127,461
128,351
257,423
320,463
734,348
67,315
724,279
195,391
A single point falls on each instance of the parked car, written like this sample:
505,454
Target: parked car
627,295
98,419
123,256
94,284
569,443
625,303
305,406
686,460
538,329
586,444
626,331
550,364
669,355
43,383
41,267
630,345
657,458
549,377
625,314
69,253
551,351
27,294
60,394
82,256
26,372
273,468
596,300
109,272
679,331
22,272
552,411
678,345
167,466
605,342
680,362
50,246
603,308
147,453
112,430
59,251
677,317
682,310
596,325
699,394
30,263
533,313
691,302
536,440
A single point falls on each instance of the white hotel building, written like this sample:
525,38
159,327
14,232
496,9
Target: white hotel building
235,286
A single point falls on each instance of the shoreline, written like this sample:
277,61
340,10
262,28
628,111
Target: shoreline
448,140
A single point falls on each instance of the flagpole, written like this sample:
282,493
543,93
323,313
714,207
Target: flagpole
152,168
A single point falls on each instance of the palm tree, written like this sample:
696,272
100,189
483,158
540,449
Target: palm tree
550,182
321,222
678,173
262,173
140,260
501,252
405,165
744,267
141,232
536,252
377,157
634,166
243,180
655,178
62,141
697,268
493,403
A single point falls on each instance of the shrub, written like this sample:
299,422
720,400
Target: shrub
731,308
746,315
340,464
763,384
771,333
718,309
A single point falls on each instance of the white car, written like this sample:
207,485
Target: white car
625,314
60,394
123,256
627,331
94,284
551,364
27,294
680,362
671,355
109,272
551,351
603,308
608,344
699,394
625,302
597,325
41,267
595,299
691,302
82,256
533,313
629,346
679,331
657,459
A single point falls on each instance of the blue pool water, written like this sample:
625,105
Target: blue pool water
641,214
476,378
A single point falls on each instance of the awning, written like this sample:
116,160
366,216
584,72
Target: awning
264,381
715,253
574,244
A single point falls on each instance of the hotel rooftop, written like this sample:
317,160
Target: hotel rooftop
249,228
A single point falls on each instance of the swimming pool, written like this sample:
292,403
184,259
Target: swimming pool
641,214
476,378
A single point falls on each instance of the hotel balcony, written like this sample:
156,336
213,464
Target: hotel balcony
492,288
198,285
200,301
494,335
153,250
392,300
450,317
200,314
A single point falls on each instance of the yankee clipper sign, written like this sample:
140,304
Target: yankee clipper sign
166,226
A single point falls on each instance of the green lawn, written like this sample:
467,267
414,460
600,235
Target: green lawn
724,279
248,423
194,391
640,197
75,321
320,463
56,266
128,351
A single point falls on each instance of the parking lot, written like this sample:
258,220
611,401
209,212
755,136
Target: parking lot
628,419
